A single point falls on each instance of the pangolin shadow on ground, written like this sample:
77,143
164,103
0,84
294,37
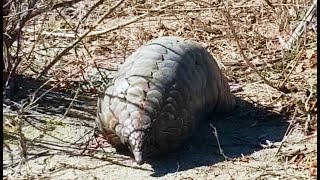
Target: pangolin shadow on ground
241,133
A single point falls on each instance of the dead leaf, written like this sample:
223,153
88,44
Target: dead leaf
309,53
299,68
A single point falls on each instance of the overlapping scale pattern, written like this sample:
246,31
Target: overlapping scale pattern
155,99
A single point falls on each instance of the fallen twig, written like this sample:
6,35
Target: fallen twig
288,130
215,132
59,56
307,108
302,26
97,33
271,5
296,60
73,99
228,17
118,26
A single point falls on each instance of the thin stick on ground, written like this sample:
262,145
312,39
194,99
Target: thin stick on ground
71,103
271,5
88,13
215,132
33,99
228,17
288,130
302,26
59,56
87,142
97,33
307,108
296,60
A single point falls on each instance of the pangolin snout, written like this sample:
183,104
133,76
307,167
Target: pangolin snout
138,157
136,139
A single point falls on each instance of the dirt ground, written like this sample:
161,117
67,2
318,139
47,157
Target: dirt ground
250,137
264,138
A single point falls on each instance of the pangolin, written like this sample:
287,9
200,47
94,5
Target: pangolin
157,98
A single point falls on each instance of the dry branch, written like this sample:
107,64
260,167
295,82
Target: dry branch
13,25
302,26
288,131
228,17
271,5
96,33
59,56
31,12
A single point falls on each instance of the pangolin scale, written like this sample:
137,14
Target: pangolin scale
157,97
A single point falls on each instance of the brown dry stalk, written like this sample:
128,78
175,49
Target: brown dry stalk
307,109
296,60
33,100
97,33
13,33
286,134
35,43
71,103
59,56
302,26
228,17
32,12
88,13
271,5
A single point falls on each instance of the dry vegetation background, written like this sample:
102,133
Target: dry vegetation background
57,54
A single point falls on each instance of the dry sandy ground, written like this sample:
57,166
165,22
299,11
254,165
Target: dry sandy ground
250,137
61,145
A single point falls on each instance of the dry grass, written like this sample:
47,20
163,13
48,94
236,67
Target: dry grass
71,45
